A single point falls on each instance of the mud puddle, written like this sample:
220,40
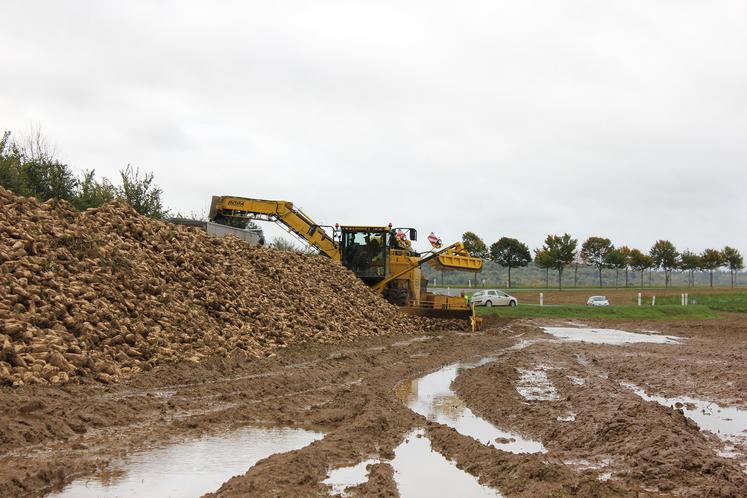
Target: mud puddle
189,469
534,385
347,477
728,423
432,397
418,472
608,336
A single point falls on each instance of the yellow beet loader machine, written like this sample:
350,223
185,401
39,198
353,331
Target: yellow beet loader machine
381,256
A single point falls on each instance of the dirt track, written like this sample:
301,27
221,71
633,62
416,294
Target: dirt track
49,434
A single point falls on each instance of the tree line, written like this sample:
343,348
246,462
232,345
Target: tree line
29,167
561,252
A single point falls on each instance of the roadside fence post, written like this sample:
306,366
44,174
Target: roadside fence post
639,299
687,299
653,301
542,299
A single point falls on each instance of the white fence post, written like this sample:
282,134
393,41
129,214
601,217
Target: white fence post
653,301
639,299
542,299
687,299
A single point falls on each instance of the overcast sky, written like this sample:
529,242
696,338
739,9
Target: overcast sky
621,119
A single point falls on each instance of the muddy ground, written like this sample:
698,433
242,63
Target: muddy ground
617,444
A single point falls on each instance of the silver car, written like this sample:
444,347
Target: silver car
597,301
492,297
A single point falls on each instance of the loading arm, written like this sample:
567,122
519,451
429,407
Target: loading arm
279,211
454,256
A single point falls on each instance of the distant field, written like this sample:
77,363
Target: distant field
724,299
704,303
630,312
728,301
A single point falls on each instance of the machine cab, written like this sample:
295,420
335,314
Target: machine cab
363,250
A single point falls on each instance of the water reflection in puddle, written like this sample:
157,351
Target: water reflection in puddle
608,336
421,472
728,423
431,396
533,385
418,472
347,477
192,468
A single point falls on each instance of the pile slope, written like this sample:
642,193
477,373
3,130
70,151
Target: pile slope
106,293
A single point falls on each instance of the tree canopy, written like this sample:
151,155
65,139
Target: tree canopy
640,262
617,259
543,260
711,259
141,193
29,167
510,253
475,245
665,257
734,261
690,262
594,253
560,251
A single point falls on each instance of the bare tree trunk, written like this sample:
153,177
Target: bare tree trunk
547,278
600,277
617,274
575,275
560,279
509,276
626,277
711,272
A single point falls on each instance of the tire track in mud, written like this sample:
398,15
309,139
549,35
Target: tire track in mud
613,433
349,393
296,389
521,474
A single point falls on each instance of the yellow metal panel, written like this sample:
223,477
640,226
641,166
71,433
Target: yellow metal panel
456,262
363,228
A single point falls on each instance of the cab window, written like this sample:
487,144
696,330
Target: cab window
365,254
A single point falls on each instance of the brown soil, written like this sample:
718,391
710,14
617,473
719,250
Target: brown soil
639,443
50,434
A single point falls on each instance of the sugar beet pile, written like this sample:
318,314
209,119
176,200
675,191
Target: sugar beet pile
107,293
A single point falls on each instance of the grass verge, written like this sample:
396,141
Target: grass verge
664,312
732,302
